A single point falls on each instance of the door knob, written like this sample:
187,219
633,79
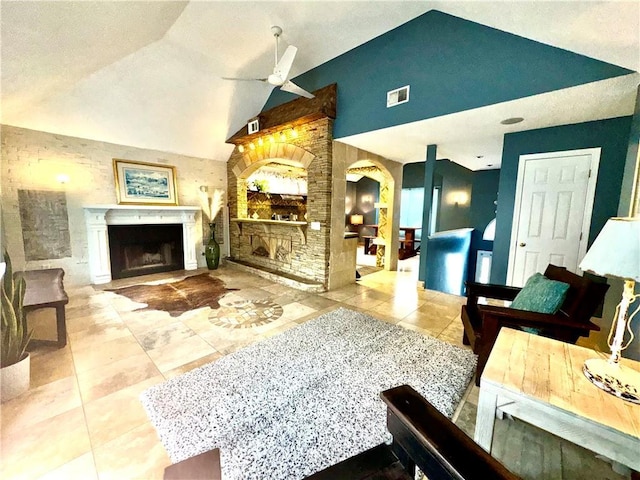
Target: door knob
522,244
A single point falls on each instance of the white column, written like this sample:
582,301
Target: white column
98,245
188,240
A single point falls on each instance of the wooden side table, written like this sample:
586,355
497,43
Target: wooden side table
540,381
45,289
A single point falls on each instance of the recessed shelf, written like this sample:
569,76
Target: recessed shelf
301,227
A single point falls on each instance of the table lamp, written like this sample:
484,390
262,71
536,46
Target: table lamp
357,219
615,253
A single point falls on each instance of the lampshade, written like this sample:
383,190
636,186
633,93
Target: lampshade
490,231
357,220
616,250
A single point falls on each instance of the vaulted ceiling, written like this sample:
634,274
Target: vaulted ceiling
148,74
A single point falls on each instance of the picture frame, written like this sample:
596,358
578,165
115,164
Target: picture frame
141,183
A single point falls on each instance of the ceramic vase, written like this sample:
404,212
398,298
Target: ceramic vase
14,379
212,250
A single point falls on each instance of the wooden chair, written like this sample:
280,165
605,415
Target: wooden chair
483,322
422,437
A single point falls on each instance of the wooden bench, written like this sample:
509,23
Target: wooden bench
45,289
422,437
205,466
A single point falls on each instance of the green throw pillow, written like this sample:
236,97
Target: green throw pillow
541,295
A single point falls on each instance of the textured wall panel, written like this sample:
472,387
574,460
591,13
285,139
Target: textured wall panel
45,224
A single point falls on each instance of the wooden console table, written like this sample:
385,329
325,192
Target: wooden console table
540,381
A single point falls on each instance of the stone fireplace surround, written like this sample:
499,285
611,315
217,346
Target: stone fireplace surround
98,217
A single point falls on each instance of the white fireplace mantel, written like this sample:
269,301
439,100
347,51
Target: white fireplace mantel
98,217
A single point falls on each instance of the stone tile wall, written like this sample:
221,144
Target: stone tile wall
311,149
31,160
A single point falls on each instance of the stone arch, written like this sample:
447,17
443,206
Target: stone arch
252,160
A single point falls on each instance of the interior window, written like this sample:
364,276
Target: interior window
411,207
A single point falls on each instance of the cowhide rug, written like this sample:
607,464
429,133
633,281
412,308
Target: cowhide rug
178,297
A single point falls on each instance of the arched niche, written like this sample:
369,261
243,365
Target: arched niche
284,156
386,253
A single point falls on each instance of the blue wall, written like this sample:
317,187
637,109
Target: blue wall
611,135
482,183
451,64
484,194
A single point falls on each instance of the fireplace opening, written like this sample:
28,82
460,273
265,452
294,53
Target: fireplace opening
145,249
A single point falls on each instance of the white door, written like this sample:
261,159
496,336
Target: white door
552,213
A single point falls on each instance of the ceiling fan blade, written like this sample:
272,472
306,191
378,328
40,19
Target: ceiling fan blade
245,79
291,87
283,67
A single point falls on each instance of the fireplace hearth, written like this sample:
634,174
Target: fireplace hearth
145,249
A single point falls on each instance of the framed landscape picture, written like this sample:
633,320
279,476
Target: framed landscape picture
145,183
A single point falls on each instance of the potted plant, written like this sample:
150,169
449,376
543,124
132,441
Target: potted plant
14,337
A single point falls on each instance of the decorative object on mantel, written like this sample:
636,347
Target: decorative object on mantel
176,298
15,362
615,253
145,183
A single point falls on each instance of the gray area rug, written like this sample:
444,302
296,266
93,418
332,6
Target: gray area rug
303,400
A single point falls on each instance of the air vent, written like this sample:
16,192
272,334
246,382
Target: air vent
398,96
253,126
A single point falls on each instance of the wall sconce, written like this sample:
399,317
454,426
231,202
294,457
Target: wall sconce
260,141
252,146
458,198
294,133
283,137
356,219
63,178
241,148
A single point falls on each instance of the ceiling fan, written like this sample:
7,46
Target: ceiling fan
281,70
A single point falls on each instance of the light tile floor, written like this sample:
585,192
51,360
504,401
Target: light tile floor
82,419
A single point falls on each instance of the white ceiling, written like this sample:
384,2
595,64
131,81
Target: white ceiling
147,74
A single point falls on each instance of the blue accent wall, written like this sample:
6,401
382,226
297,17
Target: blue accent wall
450,63
483,196
413,175
483,184
611,135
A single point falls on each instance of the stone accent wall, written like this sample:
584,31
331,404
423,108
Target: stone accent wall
311,149
31,160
